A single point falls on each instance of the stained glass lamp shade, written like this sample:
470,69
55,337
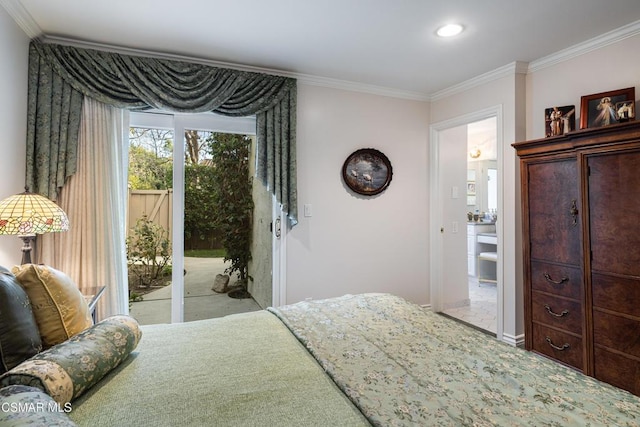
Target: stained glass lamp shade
27,214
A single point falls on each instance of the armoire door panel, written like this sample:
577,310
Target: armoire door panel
616,332
554,216
617,369
615,293
614,212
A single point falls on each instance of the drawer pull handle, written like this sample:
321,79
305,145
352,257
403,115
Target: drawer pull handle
555,282
555,347
564,312
573,211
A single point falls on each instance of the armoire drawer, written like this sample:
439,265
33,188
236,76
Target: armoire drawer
558,312
561,346
616,332
556,279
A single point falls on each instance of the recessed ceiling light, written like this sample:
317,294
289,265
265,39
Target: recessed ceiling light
449,30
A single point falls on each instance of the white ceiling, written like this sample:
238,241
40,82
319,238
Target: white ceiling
379,43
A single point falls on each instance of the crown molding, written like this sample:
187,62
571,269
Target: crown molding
20,15
360,87
517,67
587,46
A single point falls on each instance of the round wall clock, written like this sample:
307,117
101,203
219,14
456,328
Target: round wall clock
367,171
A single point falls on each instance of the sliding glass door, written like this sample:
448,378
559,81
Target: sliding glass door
175,248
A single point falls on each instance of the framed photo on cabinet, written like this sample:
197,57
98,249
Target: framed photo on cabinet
601,109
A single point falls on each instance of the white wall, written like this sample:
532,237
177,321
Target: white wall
352,243
616,66
14,50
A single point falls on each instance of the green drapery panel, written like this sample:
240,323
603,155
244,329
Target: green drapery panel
60,76
278,125
53,122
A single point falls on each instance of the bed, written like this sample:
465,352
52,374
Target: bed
356,360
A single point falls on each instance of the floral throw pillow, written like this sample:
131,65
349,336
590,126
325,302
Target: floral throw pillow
68,369
61,311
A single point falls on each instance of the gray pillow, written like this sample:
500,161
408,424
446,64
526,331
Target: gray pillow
19,334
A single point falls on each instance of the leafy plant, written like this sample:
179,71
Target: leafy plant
233,201
150,165
134,297
199,205
148,251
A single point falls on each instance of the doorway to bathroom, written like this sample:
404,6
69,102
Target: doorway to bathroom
466,217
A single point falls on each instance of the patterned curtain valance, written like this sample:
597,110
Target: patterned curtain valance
60,76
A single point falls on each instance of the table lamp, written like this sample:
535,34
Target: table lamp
27,214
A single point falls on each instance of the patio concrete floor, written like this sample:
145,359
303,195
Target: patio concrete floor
200,302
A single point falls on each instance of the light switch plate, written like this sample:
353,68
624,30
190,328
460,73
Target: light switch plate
455,192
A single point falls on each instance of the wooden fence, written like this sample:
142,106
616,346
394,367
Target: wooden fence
156,204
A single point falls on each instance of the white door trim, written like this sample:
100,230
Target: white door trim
177,243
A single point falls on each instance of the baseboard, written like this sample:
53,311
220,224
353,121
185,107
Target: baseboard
514,340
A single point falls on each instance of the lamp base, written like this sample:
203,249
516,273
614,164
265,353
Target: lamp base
26,248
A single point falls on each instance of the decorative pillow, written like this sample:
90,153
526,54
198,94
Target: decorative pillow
70,368
58,306
19,335
28,406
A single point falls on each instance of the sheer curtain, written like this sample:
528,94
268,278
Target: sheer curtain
92,252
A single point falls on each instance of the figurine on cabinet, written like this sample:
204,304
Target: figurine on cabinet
559,120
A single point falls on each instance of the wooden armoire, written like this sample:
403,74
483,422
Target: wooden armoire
581,244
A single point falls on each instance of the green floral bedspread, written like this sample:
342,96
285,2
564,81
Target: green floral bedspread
403,365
